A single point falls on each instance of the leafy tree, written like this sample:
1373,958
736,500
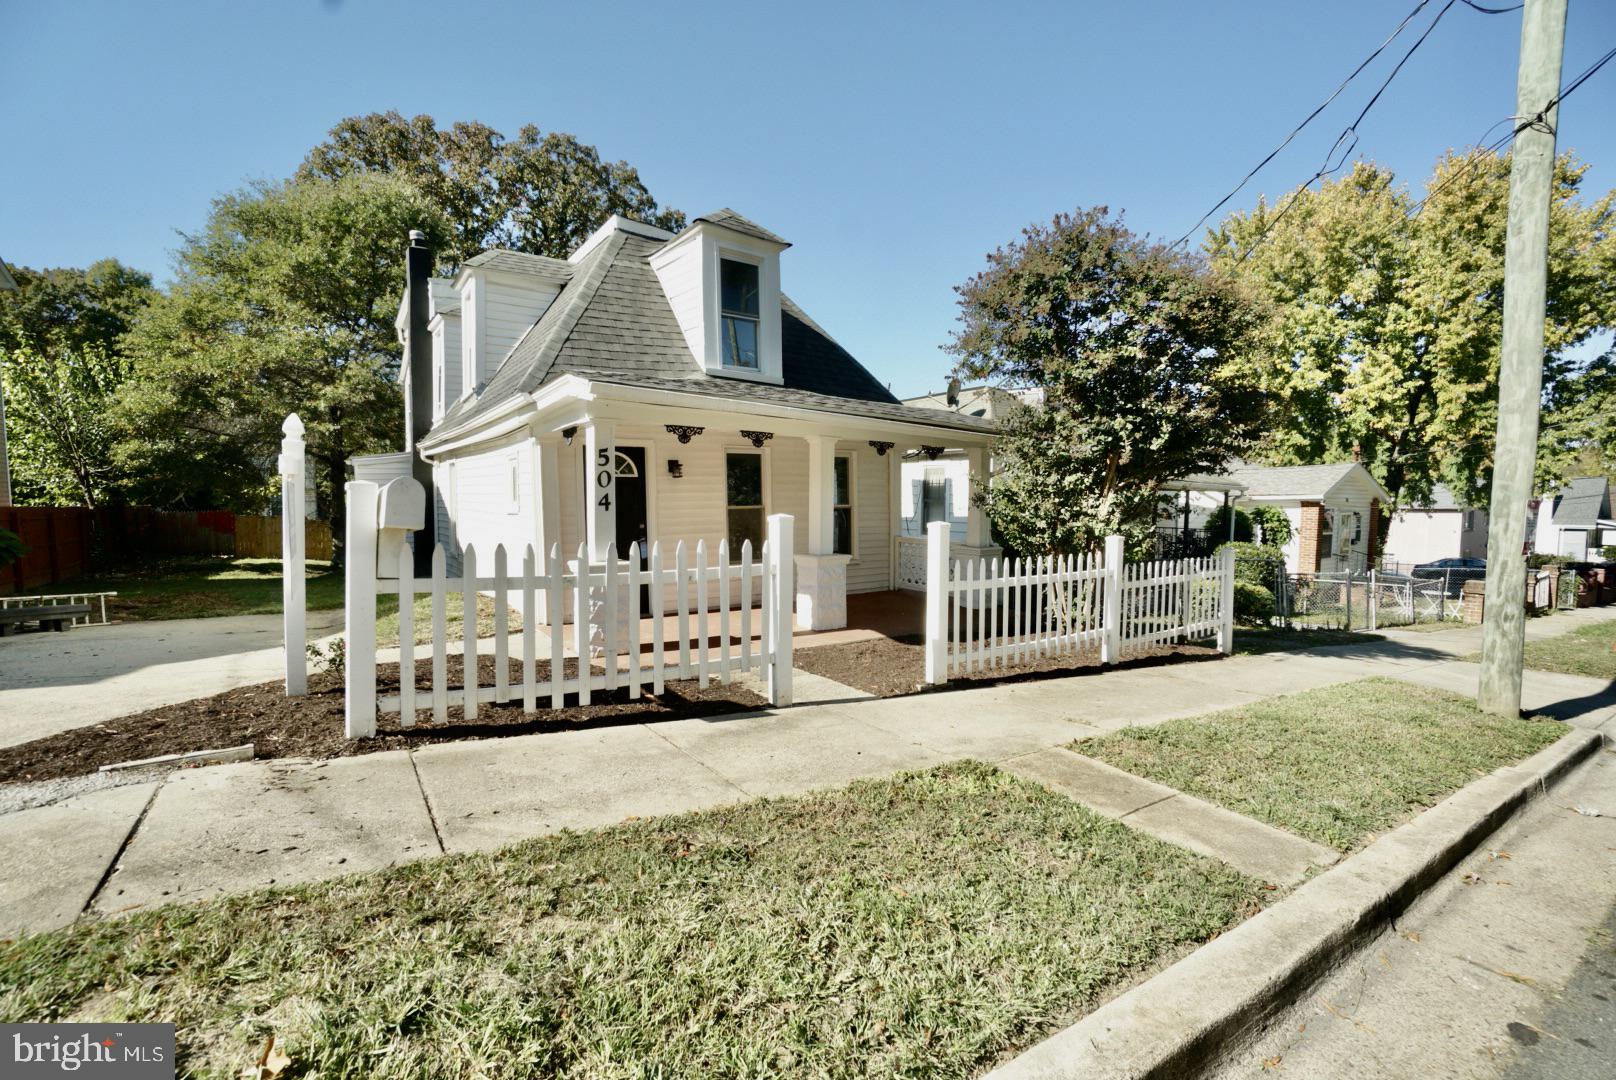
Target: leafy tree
1217,524
70,308
1272,524
284,302
1390,315
539,193
60,432
1129,343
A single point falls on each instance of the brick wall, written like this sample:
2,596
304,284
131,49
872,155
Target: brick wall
1307,552
1473,597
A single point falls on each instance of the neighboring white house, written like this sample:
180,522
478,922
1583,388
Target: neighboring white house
1442,529
660,387
1576,521
1334,511
936,479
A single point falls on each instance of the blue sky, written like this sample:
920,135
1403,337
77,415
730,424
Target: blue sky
895,145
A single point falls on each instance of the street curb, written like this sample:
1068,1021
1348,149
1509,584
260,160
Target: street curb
1223,994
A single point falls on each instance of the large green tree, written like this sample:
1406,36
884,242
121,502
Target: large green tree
68,308
283,303
62,359
542,193
59,430
1129,343
1389,314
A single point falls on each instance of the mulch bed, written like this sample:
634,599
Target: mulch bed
311,726
893,667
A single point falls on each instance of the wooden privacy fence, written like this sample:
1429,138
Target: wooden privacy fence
994,613
602,600
69,542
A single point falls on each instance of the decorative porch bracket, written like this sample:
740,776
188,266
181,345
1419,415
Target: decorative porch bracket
685,432
757,438
881,448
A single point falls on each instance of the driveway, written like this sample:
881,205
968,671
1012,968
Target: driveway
53,682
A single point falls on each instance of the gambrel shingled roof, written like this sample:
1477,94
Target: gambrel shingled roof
612,323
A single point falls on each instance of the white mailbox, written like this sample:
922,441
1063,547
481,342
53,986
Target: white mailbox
401,510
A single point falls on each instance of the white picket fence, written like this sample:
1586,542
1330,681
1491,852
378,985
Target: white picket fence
602,600
983,614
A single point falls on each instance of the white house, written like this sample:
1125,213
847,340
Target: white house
1576,521
659,387
1444,528
936,479
1334,511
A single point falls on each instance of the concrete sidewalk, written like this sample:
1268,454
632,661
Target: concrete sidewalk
231,828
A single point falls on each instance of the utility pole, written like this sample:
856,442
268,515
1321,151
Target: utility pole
1520,374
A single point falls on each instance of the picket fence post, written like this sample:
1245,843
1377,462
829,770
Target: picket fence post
937,539
293,570
780,621
1226,601
359,605
1111,614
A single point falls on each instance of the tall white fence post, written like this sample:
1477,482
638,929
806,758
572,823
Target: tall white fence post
359,598
1226,601
293,570
937,538
1111,621
780,621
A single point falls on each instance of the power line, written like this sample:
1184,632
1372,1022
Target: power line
1350,132
1490,10
1306,121
1540,117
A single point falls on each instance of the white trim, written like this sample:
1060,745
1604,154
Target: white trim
618,223
513,480
765,481
851,457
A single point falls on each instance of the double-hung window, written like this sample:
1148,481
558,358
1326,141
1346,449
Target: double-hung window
842,510
738,298
743,499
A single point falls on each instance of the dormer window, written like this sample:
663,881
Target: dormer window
740,309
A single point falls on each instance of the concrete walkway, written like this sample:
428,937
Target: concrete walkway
231,828
57,682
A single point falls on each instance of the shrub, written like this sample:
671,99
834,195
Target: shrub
1217,524
11,548
1272,524
1253,604
1608,553
1256,564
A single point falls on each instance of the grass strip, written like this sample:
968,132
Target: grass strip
1337,764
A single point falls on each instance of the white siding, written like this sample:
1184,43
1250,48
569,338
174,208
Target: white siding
445,359
870,569
1421,536
484,511
496,312
681,278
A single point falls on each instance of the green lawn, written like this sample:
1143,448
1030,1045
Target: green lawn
1588,650
1335,765
922,925
204,586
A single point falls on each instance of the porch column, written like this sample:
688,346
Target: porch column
600,486
600,481
978,532
821,573
547,468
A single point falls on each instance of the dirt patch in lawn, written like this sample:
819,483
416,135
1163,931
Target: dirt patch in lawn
311,726
892,667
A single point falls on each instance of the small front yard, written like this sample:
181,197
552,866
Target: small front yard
893,667
1588,650
1336,765
926,924
1251,640
312,726
205,586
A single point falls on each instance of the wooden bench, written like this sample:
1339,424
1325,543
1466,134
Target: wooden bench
56,617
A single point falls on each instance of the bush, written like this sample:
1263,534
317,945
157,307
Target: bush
1217,524
11,548
1256,564
1272,524
1253,604
1608,553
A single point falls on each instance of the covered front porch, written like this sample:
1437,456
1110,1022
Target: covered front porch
622,468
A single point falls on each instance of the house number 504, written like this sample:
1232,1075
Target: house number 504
604,477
